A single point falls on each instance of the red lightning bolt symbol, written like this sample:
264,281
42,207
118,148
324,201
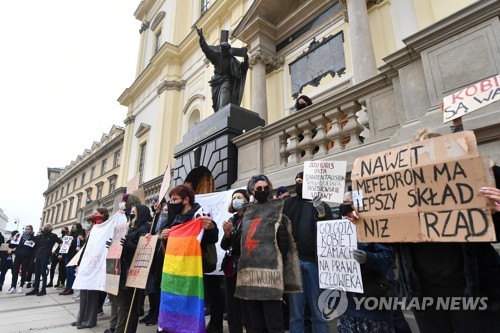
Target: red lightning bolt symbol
249,242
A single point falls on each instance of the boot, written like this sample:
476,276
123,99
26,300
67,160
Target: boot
33,292
64,291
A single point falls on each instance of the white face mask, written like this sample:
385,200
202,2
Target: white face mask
122,205
237,204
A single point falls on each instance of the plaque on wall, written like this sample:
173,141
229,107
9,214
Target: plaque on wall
321,58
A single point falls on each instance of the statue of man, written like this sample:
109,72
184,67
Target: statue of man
229,77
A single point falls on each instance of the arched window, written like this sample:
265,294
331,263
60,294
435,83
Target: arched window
194,118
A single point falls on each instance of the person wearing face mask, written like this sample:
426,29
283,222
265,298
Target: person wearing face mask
55,260
24,252
128,201
304,214
77,243
6,258
267,251
44,243
140,218
182,208
231,244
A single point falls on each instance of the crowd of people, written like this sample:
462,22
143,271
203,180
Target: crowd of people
270,277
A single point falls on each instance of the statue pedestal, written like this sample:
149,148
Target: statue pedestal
207,149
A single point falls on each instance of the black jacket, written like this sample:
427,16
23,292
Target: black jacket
44,243
209,236
233,242
23,250
305,236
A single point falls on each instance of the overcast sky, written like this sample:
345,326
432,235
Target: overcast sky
63,64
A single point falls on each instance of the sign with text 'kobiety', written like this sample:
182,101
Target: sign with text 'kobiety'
424,191
471,98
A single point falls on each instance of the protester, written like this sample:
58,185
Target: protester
304,214
267,249
89,299
6,258
140,218
57,260
44,242
77,243
24,251
128,201
182,208
231,244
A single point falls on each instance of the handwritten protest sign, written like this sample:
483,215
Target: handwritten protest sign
337,268
471,98
424,191
76,258
66,244
4,247
139,268
165,183
325,179
113,264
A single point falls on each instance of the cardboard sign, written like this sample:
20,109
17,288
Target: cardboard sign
325,179
66,244
143,256
133,184
5,247
424,191
165,183
337,268
471,98
16,239
113,263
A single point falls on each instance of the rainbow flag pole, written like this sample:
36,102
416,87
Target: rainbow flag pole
182,295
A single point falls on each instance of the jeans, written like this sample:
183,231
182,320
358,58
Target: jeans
309,296
70,274
41,268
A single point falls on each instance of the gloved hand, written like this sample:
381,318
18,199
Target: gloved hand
318,205
359,256
124,240
108,242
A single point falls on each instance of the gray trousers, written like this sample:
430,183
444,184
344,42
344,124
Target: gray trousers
113,300
89,302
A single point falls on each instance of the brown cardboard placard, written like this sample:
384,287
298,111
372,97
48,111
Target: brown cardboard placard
133,184
139,268
113,263
424,191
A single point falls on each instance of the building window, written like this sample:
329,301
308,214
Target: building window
63,210
67,189
205,4
117,159
57,193
99,191
103,166
74,184
157,40
112,185
70,207
79,201
92,173
83,179
142,159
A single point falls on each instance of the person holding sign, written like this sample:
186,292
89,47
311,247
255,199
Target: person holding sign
140,218
24,252
76,244
268,265
375,259
303,215
6,258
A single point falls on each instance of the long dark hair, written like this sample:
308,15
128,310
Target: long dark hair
104,212
79,230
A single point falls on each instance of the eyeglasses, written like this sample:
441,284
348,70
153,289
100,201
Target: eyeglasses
261,188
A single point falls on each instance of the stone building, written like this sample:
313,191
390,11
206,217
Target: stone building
3,222
88,182
375,68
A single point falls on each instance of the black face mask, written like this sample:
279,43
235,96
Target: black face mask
176,208
63,233
261,196
298,189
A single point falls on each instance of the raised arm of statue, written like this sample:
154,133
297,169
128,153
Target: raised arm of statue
209,53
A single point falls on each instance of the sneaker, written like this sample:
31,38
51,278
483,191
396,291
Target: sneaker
59,286
28,285
42,292
107,302
20,290
11,290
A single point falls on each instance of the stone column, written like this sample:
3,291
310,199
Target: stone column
259,92
404,20
363,56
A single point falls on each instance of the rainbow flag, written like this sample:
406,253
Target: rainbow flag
182,296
